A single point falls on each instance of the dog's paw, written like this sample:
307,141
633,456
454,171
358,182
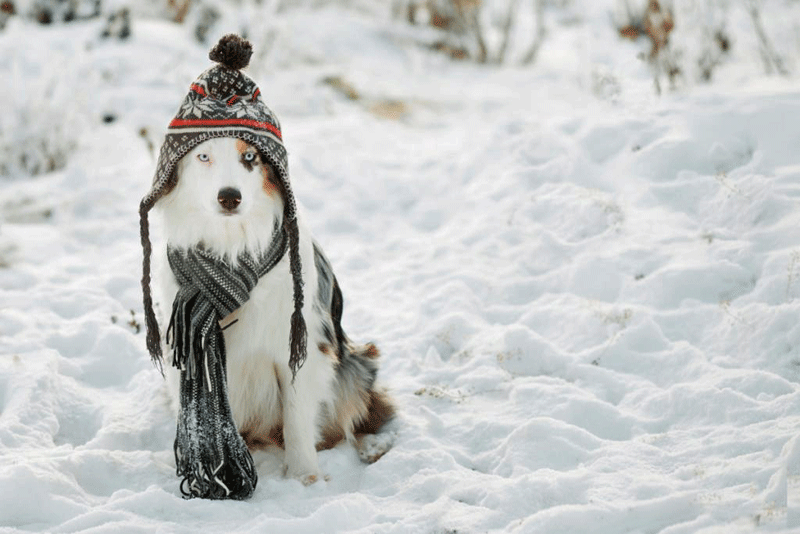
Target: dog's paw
371,447
307,477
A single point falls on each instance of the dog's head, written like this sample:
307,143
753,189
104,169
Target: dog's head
226,196
220,192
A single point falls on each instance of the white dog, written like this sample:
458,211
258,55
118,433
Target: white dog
228,198
255,323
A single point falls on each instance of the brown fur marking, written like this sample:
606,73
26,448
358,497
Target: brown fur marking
243,149
380,411
371,351
256,441
331,437
351,409
268,180
328,351
242,146
361,415
267,175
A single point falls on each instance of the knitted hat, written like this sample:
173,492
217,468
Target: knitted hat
224,102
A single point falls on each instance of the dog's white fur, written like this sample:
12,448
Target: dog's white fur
261,394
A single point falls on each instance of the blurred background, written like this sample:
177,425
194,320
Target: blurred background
68,60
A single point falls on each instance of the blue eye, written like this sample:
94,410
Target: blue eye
249,156
203,157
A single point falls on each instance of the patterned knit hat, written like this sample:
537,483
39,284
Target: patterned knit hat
224,102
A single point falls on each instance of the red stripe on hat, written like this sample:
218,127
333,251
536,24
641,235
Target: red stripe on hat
182,123
255,95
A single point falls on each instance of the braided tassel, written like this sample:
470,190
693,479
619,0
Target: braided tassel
298,335
151,325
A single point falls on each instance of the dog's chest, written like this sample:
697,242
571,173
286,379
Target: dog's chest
257,342
260,328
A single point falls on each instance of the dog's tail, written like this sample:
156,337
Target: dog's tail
364,410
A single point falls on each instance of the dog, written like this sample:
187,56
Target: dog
227,197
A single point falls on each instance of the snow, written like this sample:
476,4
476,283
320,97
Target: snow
586,295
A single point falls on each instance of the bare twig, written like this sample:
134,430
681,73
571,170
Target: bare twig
769,55
508,25
712,56
180,8
467,11
538,37
465,35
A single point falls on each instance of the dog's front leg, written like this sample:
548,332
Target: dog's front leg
301,404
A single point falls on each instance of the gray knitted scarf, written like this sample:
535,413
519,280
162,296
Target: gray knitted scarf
210,454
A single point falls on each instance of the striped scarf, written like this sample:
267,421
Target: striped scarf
210,454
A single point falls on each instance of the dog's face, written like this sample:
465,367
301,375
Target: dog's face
226,197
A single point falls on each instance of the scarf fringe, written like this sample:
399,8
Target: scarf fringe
211,456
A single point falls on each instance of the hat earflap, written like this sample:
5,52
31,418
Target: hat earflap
151,324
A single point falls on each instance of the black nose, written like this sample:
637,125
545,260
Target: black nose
229,198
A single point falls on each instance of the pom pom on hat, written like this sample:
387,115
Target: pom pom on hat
232,52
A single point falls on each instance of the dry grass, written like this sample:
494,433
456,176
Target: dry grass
381,107
344,88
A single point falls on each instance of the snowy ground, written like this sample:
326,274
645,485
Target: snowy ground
587,297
